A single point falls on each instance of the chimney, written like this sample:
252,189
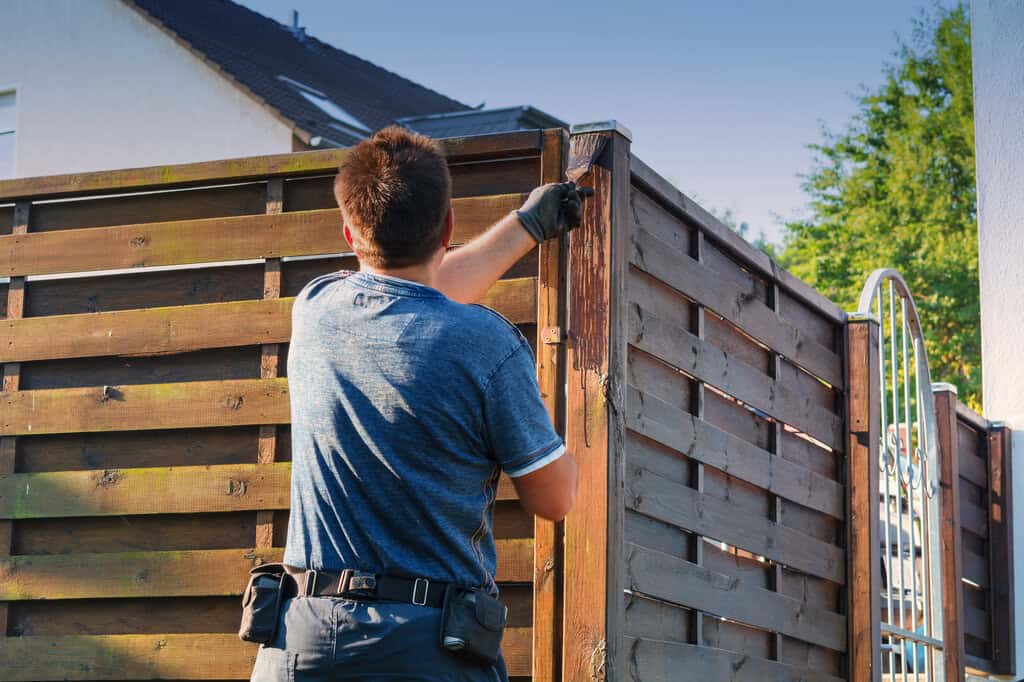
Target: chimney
298,31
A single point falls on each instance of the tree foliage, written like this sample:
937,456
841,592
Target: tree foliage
896,189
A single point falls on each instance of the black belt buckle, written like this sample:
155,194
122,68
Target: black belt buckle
358,584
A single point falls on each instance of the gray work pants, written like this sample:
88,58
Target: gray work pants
328,638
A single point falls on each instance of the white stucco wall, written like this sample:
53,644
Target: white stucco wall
100,87
998,45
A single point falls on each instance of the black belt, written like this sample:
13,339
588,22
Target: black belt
359,585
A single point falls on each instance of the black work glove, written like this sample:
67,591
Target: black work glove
552,210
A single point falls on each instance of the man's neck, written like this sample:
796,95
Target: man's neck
421,274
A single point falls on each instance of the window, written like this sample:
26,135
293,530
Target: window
7,115
349,123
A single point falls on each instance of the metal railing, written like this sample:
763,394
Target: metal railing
909,534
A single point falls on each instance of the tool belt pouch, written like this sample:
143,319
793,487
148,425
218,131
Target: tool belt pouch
261,603
472,623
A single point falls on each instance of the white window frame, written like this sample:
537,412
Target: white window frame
15,88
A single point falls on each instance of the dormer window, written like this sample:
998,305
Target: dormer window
346,122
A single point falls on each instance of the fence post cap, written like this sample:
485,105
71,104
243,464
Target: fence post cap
940,386
610,125
863,317
997,424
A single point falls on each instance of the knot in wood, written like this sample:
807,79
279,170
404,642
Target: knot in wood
237,488
138,241
108,477
234,402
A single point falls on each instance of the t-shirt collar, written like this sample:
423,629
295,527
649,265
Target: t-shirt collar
393,285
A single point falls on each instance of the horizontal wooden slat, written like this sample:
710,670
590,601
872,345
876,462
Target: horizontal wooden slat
148,406
165,490
191,573
977,623
674,580
973,518
664,191
973,468
527,142
975,568
687,508
971,418
181,329
701,284
165,657
297,233
700,441
678,347
155,490
662,661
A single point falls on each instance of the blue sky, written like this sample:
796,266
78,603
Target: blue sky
722,96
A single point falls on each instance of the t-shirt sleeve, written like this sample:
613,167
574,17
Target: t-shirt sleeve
518,430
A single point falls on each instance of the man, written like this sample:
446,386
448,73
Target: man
406,406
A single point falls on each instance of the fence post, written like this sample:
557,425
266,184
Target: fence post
594,430
864,424
1000,531
952,559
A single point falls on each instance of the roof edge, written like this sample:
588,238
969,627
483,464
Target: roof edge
295,128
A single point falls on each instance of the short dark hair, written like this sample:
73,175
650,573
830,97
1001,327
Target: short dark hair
395,190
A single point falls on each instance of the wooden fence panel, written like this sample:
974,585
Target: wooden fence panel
735,495
145,460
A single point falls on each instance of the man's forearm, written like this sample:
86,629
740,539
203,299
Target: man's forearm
468,272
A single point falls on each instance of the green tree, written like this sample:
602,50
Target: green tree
896,189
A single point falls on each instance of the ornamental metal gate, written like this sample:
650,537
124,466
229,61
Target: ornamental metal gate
908,529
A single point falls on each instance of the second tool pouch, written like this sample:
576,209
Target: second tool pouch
261,603
472,623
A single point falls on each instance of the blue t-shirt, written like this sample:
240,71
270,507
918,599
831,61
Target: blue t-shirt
405,408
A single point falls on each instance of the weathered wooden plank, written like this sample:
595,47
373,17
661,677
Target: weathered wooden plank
661,661
297,233
698,440
678,347
674,580
863,603
225,171
164,657
149,406
155,490
651,182
702,285
181,329
1001,550
190,573
951,551
668,501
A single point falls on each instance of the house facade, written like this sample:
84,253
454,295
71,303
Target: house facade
105,84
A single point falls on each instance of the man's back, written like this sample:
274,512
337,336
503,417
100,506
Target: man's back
401,426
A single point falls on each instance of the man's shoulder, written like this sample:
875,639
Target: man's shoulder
318,285
486,324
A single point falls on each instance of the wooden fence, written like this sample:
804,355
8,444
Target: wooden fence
976,479
144,457
709,397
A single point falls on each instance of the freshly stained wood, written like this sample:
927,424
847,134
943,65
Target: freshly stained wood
146,406
671,579
248,168
180,329
668,501
974,469
699,440
192,573
975,568
678,347
660,661
1001,550
164,657
701,284
297,233
154,490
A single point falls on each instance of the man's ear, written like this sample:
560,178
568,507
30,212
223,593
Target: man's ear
348,237
449,228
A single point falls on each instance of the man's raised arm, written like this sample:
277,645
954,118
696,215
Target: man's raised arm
468,272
